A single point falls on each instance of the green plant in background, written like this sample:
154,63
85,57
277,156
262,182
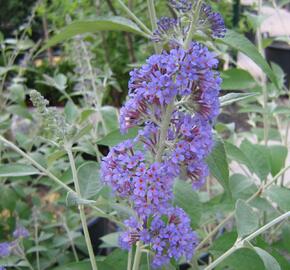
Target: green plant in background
48,186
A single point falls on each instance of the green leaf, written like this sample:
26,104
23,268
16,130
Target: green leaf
242,44
70,112
115,261
242,259
116,137
54,156
187,199
235,97
36,249
16,170
277,158
218,165
280,75
279,195
88,175
223,243
111,240
8,198
241,186
82,132
235,153
258,156
110,117
237,79
247,220
60,82
269,261
112,23
4,70
19,110
84,265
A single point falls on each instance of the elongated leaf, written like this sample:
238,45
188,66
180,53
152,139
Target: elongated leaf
36,249
279,195
187,199
116,137
269,261
235,153
277,157
237,79
235,97
110,117
111,240
4,70
19,110
258,156
112,23
218,165
70,112
88,176
15,170
241,186
247,220
242,44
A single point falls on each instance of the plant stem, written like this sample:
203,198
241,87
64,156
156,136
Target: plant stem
81,208
263,82
65,226
240,243
230,215
286,145
129,264
36,164
137,256
192,25
153,20
94,87
36,240
134,17
163,130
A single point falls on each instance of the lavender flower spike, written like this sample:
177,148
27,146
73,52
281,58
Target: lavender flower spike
215,21
21,232
181,5
5,249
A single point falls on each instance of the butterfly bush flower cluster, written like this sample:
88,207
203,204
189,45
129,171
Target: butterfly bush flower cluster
177,88
206,20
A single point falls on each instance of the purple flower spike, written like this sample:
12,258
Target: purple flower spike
5,249
21,232
215,20
169,235
166,29
181,5
167,75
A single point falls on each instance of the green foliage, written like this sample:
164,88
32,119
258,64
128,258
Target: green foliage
188,200
112,23
237,79
88,175
218,164
242,44
246,218
16,170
